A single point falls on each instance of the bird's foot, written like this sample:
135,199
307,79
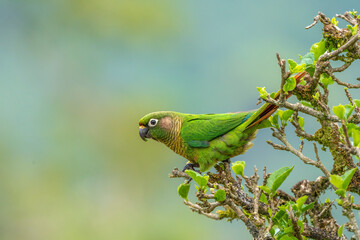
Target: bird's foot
191,166
226,161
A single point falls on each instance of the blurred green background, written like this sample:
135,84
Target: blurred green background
76,75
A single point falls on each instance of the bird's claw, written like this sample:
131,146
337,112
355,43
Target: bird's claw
191,166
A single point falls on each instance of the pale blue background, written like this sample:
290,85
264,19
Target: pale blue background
77,75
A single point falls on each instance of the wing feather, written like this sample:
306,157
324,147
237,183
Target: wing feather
199,130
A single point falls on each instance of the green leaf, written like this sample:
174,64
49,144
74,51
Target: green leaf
287,114
292,65
308,207
192,173
316,96
279,215
284,115
357,101
299,68
339,201
353,12
326,79
356,137
288,230
333,21
353,29
308,59
278,177
352,127
263,92
263,198
300,202
339,111
301,225
348,110
301,122
318,49
336,181
347,177
280,113
305,103
265,189
220,195
341,192
289,85
183,191
287,237
340,231
238,167
272,231
274,119
200,180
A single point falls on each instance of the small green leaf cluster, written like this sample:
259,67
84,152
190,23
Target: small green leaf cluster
333,21
326,80
354,133
275,180
238,167
353,12
290,84
220,195
201,180
318,49
340,231
307,62
284,116
183,190
342,182
283,227
353,29
344,113
264,93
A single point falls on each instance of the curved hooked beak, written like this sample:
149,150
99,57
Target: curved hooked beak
144,133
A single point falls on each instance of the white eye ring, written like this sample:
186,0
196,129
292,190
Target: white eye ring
153,122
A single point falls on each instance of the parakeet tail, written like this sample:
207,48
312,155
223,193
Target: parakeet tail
271,108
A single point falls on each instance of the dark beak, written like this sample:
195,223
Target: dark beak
144,133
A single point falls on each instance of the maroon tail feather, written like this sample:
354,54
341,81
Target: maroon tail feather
272,108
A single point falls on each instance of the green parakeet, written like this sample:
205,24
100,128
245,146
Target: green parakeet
205,139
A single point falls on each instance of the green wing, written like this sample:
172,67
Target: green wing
198,130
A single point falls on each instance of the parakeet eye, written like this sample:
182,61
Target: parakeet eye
152,122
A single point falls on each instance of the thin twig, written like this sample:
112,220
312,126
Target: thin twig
252,228
347,139
316,20
305,159
348,85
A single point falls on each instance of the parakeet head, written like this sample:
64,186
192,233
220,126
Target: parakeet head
160,126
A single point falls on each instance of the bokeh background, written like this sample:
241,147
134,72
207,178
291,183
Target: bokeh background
77,75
